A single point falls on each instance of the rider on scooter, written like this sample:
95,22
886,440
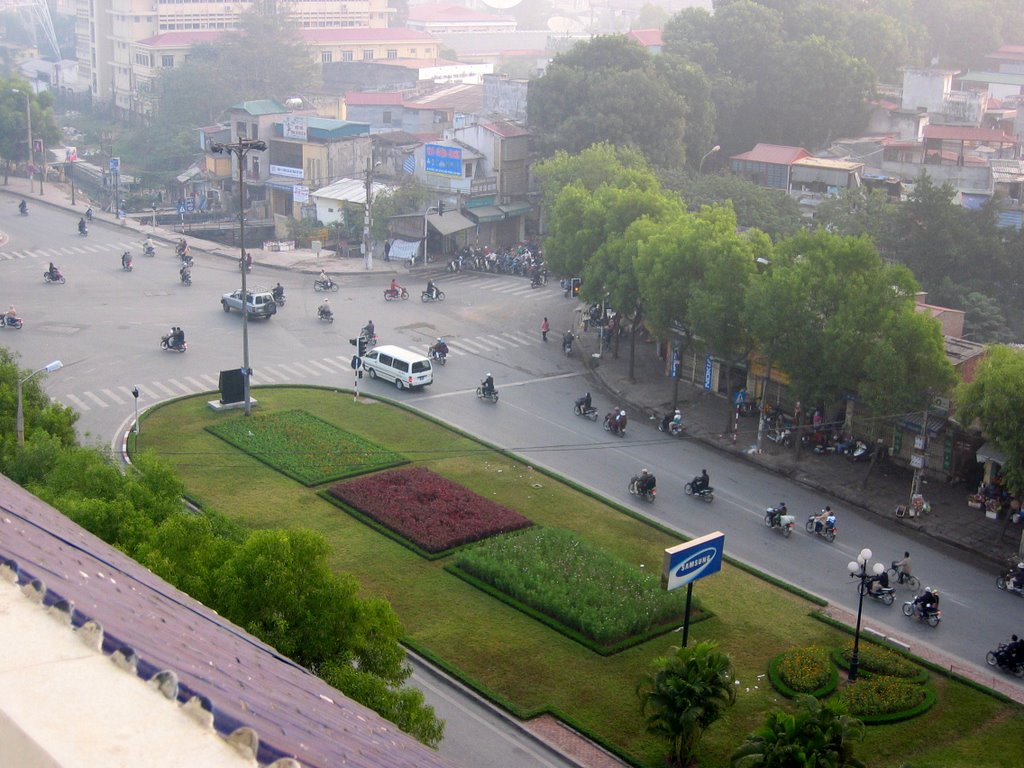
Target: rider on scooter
81,226
126,260
277,292
324,310
488,385
54,272
185,274
440,349
826,518
646,483
777,514
877,583
927,602
23,207
701,482
431,289
395,289
584,403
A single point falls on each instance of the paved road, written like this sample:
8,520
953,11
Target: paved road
108,324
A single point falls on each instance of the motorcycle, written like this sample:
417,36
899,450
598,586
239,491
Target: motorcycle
538,279
54,278
437,357
186,259
23,208
827,532
778,519
704,494
912,609
186,278
588,412
1000,658
88,214
567,345
634,489
860,451
783,436
455,264
492,395
148,249
395,294
325,314
884,595
1005,582
83,230
12,322
278,297
670,427
165,343
426,296
126,264
325,285
613,427
245,263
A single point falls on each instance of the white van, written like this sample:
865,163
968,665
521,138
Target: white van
407,369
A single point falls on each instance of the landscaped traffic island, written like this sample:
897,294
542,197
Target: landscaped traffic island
488,599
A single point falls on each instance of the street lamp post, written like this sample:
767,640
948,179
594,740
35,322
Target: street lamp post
367,252
240,149
20,419
700,165
859,570
31,154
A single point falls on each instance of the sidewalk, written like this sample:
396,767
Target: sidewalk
706,415
298,260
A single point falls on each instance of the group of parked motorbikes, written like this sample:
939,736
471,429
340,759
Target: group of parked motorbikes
518,260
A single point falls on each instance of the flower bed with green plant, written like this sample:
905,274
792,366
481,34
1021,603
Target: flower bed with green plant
305,448
806,670
430,511
879,660
561,576
880,699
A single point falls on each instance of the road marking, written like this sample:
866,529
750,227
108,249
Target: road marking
503,387
75,249
474,347
182,387
274,375
331,371
515,339
305,370
110,393
77,403
167,390
149,393
340,363
195,383
288,372
210,380
501,343
95,399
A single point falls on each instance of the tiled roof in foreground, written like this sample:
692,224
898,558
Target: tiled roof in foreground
252,691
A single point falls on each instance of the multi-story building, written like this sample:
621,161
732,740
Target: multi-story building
106,31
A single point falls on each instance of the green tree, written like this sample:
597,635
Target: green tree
685,694
819,734
757,207
747,37
690,36
607,89
651,16
14,121
598,164
689,81
996,399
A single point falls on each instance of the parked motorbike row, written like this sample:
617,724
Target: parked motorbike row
508,261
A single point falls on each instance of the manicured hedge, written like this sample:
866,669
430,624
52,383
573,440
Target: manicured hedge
807,671
301,446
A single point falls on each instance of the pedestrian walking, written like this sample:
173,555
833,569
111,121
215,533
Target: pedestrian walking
544,328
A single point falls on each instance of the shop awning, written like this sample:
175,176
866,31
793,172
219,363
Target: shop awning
283,183
935,424
450,222
989,452
485,214
516,209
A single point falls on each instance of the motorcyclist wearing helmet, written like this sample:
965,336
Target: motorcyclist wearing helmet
584,403
488,384
620,422
54,272
701,482
827,518
324,310
126,259
368,330
23,207
81,226
440,349
777,514
646,482
278,292
877,583
927,602
431,289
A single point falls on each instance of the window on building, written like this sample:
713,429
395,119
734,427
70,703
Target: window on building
326,57
142,58
256,167
392,53
368,55
167,61
255,130
386,117
242,129
468,166
346,55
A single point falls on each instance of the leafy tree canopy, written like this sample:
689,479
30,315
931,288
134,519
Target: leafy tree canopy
14,119
995,398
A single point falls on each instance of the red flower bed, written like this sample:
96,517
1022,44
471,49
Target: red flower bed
432,512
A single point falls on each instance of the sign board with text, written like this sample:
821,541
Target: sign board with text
446,161
697,558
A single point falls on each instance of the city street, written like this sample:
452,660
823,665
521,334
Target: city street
105,325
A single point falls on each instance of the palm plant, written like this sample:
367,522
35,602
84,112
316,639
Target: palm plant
684,694
818,736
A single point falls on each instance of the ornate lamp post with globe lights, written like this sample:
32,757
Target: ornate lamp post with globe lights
859,570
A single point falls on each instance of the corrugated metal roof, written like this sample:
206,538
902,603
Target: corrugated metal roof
829,163
966,133
247,683
261,107
350,190
648,38
506,129
993,78
381,99
775,154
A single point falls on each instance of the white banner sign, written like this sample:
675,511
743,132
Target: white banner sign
284,170
295,127
300,194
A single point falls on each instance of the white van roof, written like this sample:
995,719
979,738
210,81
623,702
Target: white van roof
399,352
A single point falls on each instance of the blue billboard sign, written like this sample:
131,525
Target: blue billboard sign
708,371
685,563
446,161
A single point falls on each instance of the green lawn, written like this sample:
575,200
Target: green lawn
519,661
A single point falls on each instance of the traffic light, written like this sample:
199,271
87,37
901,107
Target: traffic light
576,282
440,207
361,347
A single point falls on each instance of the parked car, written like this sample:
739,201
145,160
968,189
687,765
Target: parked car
260,302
